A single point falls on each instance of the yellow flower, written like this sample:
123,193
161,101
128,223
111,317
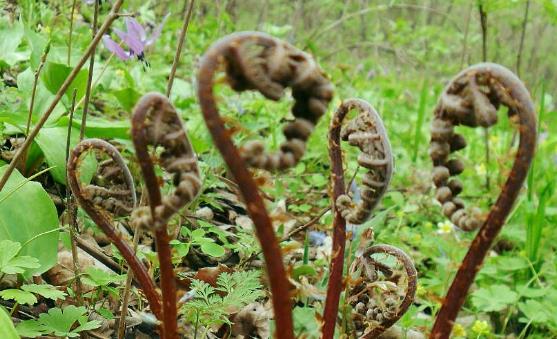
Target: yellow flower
480,169
459,331
445,227
480,327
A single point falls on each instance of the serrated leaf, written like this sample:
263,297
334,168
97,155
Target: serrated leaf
534,311
45,290
30,329
17,224
59,322
10,262
7,326
494,298
21,297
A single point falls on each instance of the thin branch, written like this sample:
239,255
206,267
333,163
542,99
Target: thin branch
181,40
113,15
89,88
522,35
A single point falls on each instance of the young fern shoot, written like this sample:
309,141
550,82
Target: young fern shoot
155,122
258,61
115,196
365,131
472,99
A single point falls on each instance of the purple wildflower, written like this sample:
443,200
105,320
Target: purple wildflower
135,38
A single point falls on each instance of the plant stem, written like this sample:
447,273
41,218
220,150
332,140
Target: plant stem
334,288
181,40
110,18
498,213
483,24
72,212
71,32
89,76
522,34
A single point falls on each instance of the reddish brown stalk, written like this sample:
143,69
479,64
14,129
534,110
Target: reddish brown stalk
155,122
113,15
367,132
102,219
257,61
334,288
461,105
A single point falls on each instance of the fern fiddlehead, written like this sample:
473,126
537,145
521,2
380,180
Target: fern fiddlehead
156,123
98,200
365,131
257,61
472,99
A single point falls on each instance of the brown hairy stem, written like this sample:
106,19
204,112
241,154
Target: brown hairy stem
102,218
113,15
257,61
463,102
155,122
367,132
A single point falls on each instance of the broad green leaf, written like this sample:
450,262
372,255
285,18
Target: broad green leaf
52,142
55,74
44,290
100,128
307,270
30,329
212,249
494,298
10,262
10,39
7,326
535,311
19,225
21,297
127,97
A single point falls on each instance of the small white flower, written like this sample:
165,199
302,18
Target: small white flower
445,227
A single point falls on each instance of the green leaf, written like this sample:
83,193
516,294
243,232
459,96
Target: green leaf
17,224
55,74
7,326
100,128
97,277
127,97
30,329
21,297
44,290
494,298
10,262
212,249
535,311
307,270
10,39
52,142
59,322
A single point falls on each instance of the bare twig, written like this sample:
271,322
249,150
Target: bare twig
522,35
72,212
113,15
89,88
181,40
